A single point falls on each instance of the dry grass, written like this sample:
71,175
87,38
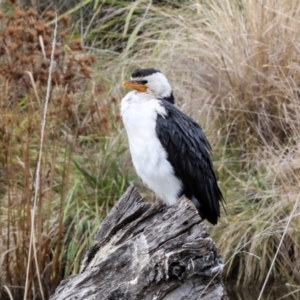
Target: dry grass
248,72
234,66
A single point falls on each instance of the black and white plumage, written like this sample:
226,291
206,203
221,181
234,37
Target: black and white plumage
169,150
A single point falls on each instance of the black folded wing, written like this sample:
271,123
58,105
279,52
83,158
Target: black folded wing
189,153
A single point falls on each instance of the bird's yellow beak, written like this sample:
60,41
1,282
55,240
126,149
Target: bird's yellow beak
135,85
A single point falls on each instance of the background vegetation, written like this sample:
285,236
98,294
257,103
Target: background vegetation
234,66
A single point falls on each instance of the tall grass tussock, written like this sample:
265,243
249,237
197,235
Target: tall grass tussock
234,67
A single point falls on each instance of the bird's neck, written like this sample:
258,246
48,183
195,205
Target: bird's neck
169,98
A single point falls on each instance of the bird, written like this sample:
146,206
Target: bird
169,150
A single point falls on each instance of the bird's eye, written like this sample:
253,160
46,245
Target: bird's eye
143,82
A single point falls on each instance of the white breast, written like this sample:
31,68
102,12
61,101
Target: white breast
139,112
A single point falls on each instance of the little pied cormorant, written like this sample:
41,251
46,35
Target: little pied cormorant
169,150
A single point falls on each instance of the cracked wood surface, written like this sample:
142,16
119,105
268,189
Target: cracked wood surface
143,251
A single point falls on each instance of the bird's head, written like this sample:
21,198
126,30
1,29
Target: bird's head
151,81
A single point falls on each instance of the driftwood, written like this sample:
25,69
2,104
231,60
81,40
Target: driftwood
143,251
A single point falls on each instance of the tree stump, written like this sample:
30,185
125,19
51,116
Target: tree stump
143,251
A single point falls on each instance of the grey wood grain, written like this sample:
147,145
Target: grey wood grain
143,251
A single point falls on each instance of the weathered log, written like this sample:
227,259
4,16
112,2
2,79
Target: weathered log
143,251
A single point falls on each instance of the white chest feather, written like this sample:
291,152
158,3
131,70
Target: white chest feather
139,113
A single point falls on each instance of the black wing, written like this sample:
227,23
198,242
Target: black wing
189,153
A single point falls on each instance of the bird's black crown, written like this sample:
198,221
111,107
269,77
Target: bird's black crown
137,73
